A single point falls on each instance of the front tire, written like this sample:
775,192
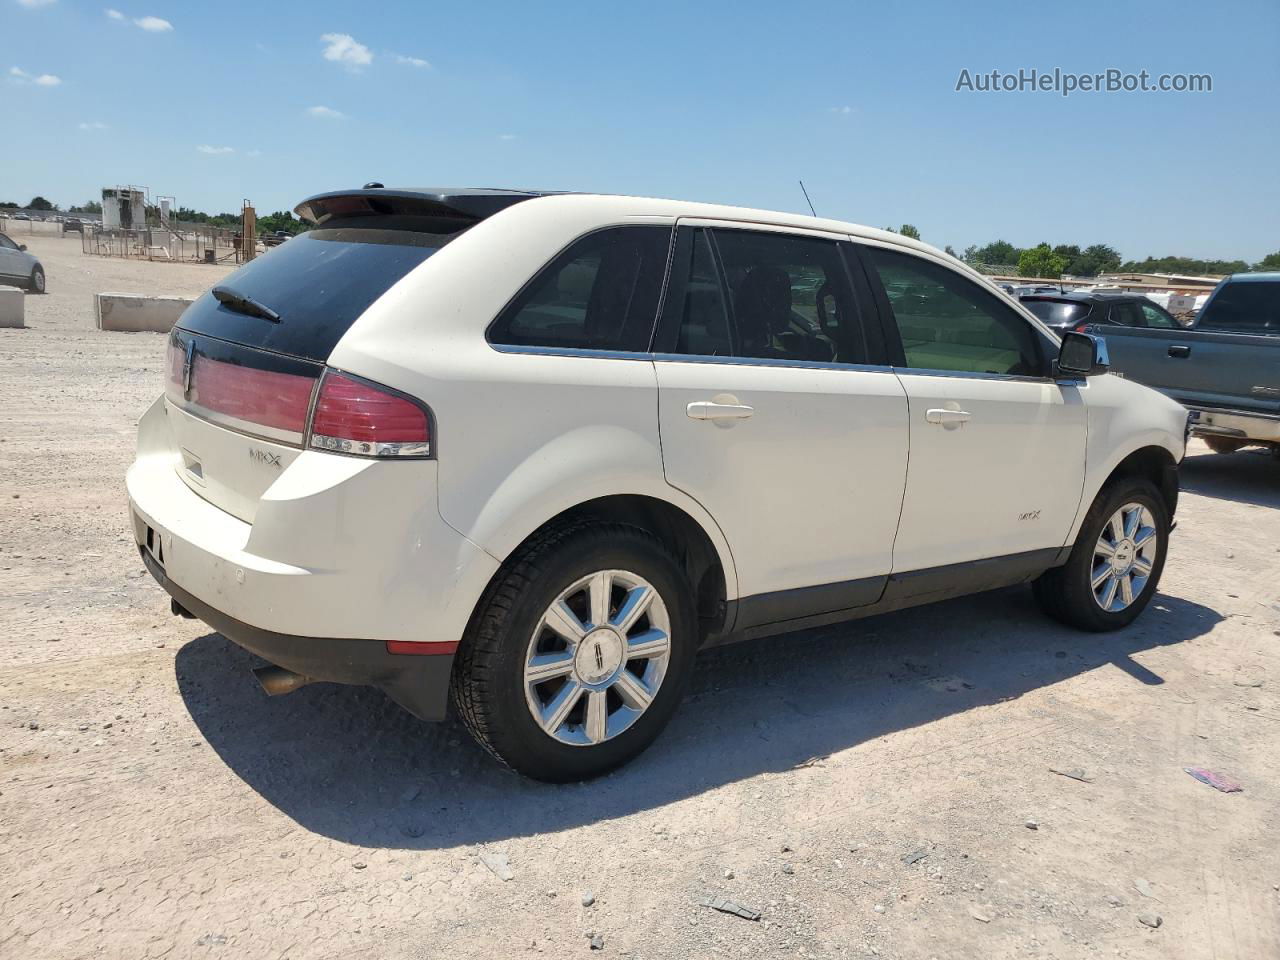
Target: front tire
578,653
36,282
1115,565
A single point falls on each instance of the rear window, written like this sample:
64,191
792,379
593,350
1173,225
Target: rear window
319,283
1244,306
600,294
1057,311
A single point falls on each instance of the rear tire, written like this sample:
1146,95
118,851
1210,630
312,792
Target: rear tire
624,681
36,282
1080,593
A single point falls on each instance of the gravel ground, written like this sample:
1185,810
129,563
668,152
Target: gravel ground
869,789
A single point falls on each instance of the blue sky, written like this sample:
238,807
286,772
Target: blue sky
717,101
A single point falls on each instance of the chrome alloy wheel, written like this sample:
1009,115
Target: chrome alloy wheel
1124,557
597,658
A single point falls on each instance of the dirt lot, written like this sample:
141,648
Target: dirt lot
155,803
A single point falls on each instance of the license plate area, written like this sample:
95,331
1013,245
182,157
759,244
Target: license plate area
150,540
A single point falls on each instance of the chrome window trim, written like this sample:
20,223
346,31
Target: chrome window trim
542,351
969,375
770,362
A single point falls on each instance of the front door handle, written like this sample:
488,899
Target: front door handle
710,410
1180,350
947,416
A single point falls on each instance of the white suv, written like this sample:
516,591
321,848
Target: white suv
537,450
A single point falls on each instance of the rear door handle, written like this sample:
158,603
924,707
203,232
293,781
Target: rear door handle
947,416
1179,350
710,410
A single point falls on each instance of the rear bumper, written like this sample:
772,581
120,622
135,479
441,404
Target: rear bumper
420,684
344,560
1237,424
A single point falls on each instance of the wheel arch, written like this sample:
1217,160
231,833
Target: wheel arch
704,558
1152,460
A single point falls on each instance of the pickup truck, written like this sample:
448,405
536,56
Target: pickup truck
1225,368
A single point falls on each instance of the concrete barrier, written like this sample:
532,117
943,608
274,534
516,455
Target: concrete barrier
137,313
12,305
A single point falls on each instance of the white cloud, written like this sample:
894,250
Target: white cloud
18,75
347,50
842,111
411,61
253,153
506,136
153,24
32,4
205,148
93,125
325,113
114,14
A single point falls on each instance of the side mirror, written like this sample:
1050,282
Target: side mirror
1083,355
22,246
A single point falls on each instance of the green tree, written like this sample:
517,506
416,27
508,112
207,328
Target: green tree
950,251
1001,252
908,230
1184,265
1096,258
40,203
1041,261
8,205
281,220
970,253
1270,262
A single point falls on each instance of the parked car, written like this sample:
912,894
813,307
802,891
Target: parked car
19,267
485,442
1076,311
73,223
21,216
1225,368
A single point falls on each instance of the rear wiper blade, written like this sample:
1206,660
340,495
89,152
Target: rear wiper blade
242,304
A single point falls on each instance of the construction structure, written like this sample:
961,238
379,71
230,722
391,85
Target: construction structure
135,228
124,207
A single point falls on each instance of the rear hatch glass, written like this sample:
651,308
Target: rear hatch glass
1057,313
317,284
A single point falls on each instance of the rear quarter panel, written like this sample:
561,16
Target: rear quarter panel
520,437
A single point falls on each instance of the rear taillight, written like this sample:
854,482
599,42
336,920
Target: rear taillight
348,415
1080,327
268,403
360,418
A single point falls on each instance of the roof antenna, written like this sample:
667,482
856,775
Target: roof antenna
806,198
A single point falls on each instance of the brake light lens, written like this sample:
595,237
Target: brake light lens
356,417
269,403
1080,327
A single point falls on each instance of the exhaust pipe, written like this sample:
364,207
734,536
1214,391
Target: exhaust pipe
277,681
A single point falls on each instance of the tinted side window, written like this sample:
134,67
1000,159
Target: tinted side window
1243,306
1126,314
771,296
947,322
1153,316
6,243
601,293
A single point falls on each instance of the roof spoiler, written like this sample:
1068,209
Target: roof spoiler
467,205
